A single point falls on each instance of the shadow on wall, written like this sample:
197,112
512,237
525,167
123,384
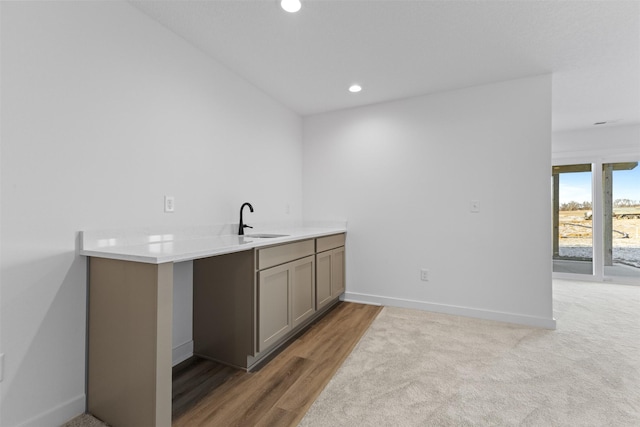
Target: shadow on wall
44,324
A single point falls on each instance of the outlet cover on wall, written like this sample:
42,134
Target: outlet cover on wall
424,275
169,204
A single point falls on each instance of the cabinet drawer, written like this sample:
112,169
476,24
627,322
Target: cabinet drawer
329,242
277,255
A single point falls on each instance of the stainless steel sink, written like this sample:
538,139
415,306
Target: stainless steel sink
265,236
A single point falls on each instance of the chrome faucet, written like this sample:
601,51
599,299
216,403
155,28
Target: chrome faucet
242,226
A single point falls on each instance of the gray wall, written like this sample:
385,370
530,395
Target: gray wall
403,174
104,112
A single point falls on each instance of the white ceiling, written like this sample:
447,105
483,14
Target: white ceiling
403,48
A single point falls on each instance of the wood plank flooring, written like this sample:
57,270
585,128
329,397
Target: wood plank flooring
206,393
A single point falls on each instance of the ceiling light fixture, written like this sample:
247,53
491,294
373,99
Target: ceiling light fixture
290,6
355,88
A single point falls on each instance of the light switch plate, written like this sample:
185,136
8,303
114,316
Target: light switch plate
169,204
474,206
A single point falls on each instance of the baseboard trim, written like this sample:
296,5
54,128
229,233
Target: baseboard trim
343,297
182,352
519,319
58,415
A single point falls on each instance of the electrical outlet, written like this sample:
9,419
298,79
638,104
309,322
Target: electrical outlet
1,367
169,203
424,275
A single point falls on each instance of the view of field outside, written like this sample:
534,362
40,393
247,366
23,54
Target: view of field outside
575,222
575,230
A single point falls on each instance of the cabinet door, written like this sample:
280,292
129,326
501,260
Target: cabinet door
303,299
330,281
274,320
337,272
323,279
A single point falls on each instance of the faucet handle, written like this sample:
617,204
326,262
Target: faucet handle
247,226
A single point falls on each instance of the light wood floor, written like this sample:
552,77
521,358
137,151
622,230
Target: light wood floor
280,393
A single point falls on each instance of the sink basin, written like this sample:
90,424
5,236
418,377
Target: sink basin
265,236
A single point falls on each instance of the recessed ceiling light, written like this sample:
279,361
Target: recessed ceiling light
355,88
290,6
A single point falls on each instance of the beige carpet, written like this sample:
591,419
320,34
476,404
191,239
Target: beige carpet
84,420
414,368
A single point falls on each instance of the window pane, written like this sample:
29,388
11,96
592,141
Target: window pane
572,219
621,219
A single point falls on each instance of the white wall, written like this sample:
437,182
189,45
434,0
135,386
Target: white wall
182,331
403,174
1,362
597,142
105,111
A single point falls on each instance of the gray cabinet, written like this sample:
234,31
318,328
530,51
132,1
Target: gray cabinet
285,290
337,271
274,317
323,279
286,299
247,304
303,296
330,271
223,307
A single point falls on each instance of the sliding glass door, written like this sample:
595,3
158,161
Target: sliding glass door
572,219
596,221
621,219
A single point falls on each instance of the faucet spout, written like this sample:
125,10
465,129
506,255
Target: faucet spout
242,225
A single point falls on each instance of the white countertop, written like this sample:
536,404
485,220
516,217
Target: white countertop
157,246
